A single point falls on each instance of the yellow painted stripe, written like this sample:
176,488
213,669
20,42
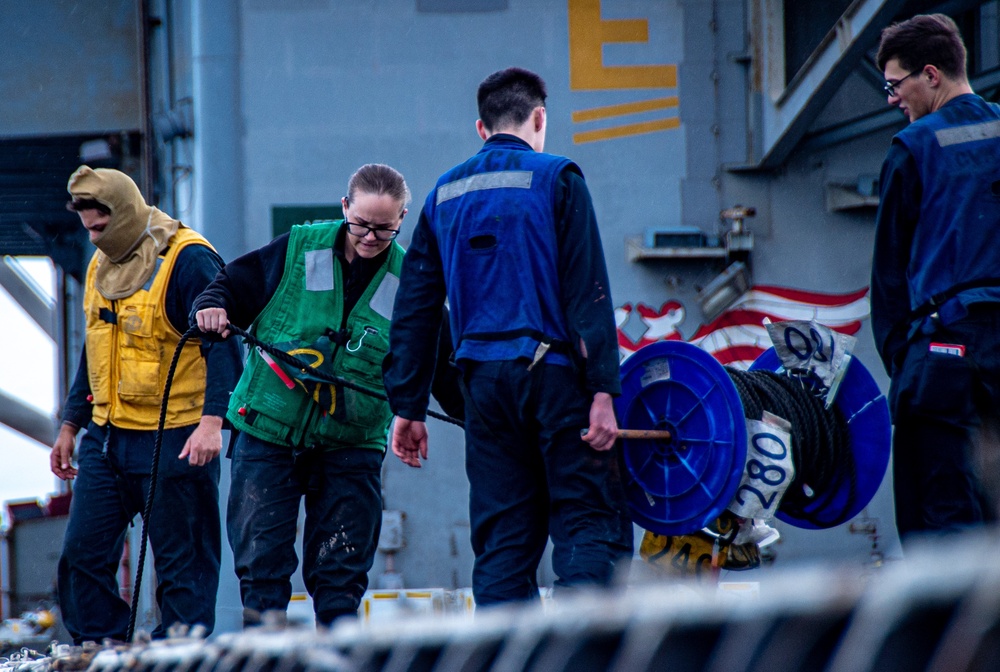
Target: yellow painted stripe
628,129
624,108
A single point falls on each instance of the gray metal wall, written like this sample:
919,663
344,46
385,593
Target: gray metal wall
69,67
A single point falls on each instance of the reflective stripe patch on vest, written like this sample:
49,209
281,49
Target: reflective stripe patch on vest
319,270
960,134
385,296
507,179
149,283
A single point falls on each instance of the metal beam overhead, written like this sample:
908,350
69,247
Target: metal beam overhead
27,420
39,307
871,74
14,413
788,111
890,116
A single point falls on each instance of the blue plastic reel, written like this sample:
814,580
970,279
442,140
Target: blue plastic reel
680,485
864,406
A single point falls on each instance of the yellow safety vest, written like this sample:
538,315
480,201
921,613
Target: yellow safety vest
130,343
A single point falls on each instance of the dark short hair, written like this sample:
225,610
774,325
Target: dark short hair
926,39
378,179
78,204
507,97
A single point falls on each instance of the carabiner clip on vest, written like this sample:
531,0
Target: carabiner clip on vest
368,330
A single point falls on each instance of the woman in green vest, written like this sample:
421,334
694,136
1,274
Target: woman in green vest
323,292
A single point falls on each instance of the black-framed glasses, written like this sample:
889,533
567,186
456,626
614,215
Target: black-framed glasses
360,230
890,87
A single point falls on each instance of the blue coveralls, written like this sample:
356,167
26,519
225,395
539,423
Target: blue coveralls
510,235
936,310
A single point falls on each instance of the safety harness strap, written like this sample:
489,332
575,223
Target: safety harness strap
940,298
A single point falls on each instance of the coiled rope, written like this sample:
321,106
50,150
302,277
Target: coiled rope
820,439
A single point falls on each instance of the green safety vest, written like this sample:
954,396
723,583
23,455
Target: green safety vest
307,306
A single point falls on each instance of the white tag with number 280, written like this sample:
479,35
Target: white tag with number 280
769,469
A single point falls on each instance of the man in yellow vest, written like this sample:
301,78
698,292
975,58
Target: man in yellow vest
140,285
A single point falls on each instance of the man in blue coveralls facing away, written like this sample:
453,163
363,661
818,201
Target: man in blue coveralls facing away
511,239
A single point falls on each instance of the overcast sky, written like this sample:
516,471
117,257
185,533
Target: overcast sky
27,372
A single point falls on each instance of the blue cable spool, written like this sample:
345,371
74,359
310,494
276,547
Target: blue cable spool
683,484
863,405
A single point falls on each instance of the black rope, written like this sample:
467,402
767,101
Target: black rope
322,375
820,439
158,441
153,473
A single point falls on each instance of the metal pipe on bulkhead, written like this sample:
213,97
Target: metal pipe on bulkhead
218,151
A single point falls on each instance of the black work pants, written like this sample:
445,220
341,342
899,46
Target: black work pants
343,502
184,533
945,408
531,477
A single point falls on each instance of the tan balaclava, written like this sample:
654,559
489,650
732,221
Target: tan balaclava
136,234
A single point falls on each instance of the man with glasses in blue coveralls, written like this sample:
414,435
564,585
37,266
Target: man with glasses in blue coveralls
935,288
